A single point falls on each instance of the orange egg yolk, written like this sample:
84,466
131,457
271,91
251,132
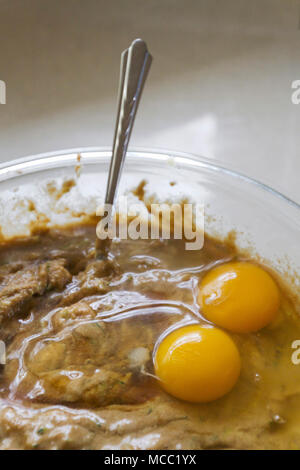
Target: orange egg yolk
197,363
239,296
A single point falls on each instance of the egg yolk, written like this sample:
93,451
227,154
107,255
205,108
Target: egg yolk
197,363
239,296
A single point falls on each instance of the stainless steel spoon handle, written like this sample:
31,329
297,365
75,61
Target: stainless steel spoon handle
135,65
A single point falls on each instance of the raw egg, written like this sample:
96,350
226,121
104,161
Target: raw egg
197,363
239,296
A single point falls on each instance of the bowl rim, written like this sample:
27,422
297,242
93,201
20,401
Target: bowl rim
16,167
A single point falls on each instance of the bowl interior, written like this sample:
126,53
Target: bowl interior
63,187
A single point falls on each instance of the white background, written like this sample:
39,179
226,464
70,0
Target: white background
220,83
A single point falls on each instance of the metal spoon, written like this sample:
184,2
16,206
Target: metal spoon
135,65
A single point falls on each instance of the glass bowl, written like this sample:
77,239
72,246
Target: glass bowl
62,187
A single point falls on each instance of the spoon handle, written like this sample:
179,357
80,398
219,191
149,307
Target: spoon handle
135,65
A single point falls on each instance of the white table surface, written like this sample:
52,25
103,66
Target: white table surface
220,83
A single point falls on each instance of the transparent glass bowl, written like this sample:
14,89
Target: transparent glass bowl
263,221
